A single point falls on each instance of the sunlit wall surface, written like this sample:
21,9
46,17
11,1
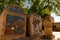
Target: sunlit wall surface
57,35
56,18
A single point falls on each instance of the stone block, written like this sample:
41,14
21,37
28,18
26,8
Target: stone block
34,24
48,26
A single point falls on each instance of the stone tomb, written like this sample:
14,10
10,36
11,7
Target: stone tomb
13,21
48,26
34,24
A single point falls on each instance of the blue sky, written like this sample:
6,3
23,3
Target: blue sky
26,4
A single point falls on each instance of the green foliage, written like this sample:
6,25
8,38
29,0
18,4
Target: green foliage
35,6
3,3
38,6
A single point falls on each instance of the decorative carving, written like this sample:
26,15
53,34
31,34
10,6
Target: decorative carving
34,24
14,24
48,26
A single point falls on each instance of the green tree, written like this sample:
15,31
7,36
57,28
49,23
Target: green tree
44,7
3,3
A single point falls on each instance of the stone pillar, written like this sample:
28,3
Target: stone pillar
48,26
34,25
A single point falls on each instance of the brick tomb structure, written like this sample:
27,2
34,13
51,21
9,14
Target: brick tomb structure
13,21
34,25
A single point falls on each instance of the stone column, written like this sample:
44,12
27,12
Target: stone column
48,26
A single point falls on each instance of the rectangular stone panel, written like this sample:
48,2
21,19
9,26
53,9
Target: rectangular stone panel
15,25
34,25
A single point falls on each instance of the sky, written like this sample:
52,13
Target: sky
26,4
56,18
